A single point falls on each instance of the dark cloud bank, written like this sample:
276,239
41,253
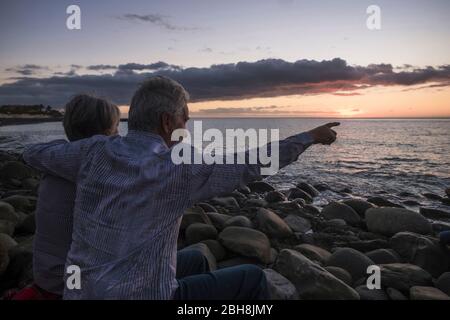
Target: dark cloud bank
264,78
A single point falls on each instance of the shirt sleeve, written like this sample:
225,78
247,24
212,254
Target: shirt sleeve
207,181
59,157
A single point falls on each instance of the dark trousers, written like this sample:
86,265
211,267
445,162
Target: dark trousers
244,282
445,237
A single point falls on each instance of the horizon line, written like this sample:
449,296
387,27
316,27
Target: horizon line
342,118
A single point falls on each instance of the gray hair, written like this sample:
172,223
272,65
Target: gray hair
155,96
86,115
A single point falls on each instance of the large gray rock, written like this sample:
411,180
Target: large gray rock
20,203
382,202
371,294
271,224
15,170
7,227
239,221
341,274
313,192
260,187
395,294
403,276
194,215
296,193
218,219
197,232
443,283
423,251
359,205
246,242
311,280
275,196
435,214
313,253
389,221
7,241
7,212
27,226
206,207
279,287
229,203
216,249
383,256
336,210
427,293
297,224
204,249
355,262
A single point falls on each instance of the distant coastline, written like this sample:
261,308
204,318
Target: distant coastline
37,119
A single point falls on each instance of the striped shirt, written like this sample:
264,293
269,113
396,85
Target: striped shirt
130,198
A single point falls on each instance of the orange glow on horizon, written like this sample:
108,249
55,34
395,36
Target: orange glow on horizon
378,102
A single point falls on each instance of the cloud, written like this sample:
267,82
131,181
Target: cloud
156,19
27,69
100,67
234,81
257,110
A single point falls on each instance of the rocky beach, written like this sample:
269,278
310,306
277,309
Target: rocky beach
307,251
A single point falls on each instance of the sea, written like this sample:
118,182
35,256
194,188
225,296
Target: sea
398,159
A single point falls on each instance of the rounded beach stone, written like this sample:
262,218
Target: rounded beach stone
279,287
313,192
246,242
239,221
313,253
443,283
427,293
197,232
355,262
312,281
383,256
341,274
359,205
389,221
337,210
271,224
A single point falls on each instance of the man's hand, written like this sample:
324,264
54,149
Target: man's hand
324,134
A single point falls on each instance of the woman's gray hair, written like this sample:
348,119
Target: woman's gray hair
86,116
155,96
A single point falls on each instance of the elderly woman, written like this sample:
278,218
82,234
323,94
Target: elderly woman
85,116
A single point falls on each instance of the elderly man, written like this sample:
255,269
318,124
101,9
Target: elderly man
131,198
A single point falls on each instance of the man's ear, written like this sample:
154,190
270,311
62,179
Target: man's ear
166,123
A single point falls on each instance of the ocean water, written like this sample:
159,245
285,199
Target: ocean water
371,157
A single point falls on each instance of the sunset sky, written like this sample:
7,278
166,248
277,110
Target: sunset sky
269,58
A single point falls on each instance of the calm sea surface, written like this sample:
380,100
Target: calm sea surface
371,157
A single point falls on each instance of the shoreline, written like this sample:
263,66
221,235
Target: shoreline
18,121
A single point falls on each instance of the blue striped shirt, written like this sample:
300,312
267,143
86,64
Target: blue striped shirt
130,198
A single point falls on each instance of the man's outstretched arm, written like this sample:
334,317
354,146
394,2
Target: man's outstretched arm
207,181
60,157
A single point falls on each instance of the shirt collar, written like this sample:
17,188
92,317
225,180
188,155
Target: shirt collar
145,136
